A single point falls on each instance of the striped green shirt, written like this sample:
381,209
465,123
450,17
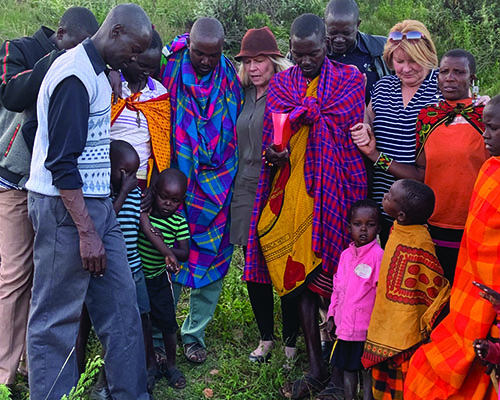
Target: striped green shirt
174,229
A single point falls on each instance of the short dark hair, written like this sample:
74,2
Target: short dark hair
342,7
120,150
76,20
419,201
308,25
365,203
494,102
460,53
173,175
156,42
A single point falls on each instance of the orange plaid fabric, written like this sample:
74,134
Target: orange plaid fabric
446,368
388,380
157,113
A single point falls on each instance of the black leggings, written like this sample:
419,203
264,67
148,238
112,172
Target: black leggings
262,301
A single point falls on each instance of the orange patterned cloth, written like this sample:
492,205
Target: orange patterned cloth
157,113
447,368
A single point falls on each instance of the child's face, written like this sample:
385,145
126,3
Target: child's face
364,226
491,134
392,200
168,198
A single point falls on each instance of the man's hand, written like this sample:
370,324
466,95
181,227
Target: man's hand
91,246
481,347
489,294
93,253
147,200
278,158
115,82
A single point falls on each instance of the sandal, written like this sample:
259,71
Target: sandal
331,392
175,375
154,375
262,353
303,388
195,352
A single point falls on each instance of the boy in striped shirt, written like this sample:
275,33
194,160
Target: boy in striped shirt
163,242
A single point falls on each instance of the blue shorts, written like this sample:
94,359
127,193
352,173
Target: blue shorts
142,292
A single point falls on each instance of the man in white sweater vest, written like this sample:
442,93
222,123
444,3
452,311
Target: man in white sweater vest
79,250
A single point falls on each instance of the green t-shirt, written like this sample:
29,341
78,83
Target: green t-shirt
174,229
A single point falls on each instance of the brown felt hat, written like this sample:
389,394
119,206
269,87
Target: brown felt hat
258,42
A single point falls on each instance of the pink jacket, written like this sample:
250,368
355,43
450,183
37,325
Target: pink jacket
354,287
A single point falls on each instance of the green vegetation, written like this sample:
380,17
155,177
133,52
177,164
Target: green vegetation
470,24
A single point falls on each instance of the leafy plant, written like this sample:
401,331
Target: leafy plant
86,379
4,392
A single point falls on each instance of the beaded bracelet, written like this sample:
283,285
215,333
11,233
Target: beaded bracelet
383,162
269,164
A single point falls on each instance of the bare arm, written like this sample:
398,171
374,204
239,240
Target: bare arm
182,251
155,237
399,170
91,246
128,183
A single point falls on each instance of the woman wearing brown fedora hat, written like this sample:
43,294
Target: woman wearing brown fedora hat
260,59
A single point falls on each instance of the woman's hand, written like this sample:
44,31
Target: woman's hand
362,136
275,157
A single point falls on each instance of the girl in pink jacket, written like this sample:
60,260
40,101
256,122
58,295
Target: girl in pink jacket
353,296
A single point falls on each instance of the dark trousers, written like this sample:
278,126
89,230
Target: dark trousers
262,301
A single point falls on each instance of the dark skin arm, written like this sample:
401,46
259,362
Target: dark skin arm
482,346
182,251
363,137
127,184
156,239
147,195
331,328
91,246
115,82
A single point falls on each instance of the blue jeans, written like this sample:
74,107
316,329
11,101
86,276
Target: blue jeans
61,285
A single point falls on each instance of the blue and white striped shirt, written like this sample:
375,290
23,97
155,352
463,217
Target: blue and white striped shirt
129,218
394,124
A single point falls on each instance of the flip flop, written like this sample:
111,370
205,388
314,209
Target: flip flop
173,375
331,392
195,352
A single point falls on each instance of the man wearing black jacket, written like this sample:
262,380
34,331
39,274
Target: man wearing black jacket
24,63
349,46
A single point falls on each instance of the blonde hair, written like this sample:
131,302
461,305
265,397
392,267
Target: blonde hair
280,64
423,51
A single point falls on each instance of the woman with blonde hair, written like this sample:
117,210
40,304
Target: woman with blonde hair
260,59
396,102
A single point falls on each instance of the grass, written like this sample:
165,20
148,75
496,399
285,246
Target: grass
230,337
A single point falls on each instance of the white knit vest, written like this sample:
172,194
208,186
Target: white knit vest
93,163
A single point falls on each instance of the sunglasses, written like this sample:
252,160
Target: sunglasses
409,36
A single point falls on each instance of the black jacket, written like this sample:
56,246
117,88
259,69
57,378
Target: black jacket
25,61
375,45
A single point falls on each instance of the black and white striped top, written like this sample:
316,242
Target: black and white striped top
129,218
394,125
